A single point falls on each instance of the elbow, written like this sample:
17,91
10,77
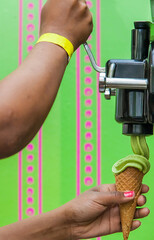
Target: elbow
15,132
10,144
13,139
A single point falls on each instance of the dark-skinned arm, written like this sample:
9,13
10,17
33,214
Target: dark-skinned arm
28,93
92,214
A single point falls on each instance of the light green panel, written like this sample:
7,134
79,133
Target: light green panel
59,130
8,62
9,37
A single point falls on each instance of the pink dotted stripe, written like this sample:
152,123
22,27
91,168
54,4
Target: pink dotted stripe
78,120
30,180
30,38
88,93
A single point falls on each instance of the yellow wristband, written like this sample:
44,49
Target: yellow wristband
58,40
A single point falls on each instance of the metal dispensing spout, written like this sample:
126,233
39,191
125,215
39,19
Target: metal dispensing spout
132,82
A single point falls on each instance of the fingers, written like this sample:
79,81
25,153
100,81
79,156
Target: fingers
136,224
107,190
112,188
141,213
141,200
112,198
144,189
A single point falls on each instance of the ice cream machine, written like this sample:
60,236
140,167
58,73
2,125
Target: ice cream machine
132,82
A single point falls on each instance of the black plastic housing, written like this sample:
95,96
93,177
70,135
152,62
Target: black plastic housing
151,86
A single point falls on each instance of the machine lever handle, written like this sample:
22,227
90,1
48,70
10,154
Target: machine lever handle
92,59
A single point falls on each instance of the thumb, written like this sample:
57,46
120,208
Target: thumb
113,198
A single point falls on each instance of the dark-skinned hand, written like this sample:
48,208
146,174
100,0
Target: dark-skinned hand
96,212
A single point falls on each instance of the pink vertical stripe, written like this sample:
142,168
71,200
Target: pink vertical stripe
98,100
40,8
78,119
40,142
20,153
40,171
20,186
20,29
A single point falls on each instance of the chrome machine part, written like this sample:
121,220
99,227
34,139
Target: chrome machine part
92,59
108,90
109,84
123,83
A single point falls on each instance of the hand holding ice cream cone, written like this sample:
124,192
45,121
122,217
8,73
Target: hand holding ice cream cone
96,212
129,173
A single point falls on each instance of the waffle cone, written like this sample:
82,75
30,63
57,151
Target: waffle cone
130,179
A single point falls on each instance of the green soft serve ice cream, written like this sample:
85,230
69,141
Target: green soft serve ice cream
139,160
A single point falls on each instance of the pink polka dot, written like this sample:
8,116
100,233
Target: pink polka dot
89,3
88,102
30,158
88,136
30,180
30,5
30,200
30,169
90,37
88,113
88,147
30,191
29,48
30,38
88,124
87,59
88,158
88,181
88,91
88,80
30,16
88,169
30,211
30,147
88,69
30,27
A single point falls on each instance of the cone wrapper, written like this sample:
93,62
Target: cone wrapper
129,180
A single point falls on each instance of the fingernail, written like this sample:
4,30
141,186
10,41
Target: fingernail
129,194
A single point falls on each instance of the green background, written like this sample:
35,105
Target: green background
59,131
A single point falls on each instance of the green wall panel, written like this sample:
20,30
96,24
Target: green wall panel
80,140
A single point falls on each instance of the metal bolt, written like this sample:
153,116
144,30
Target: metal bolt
113,91
107,94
